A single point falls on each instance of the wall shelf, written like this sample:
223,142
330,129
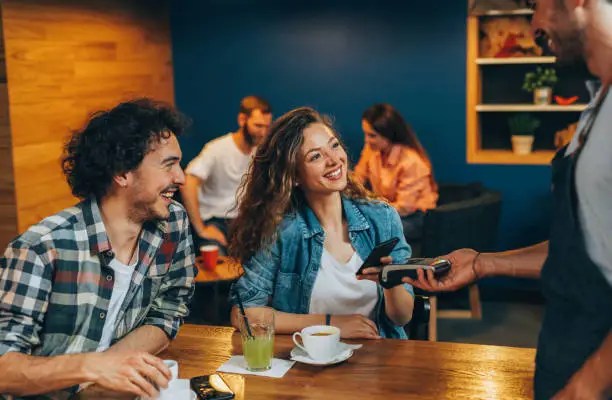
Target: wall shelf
504,13
494,93
507,157
529,108
516,60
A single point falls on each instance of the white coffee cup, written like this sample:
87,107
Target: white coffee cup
169,392
319,341
173,366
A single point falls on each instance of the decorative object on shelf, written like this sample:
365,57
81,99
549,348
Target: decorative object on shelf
522,127
566,101
506,37
541,83
564,136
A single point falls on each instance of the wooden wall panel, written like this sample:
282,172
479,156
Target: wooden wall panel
65,60
8,214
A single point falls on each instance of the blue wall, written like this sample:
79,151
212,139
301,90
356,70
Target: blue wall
341,57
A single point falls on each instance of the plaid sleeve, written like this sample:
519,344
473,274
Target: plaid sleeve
25,285
170,306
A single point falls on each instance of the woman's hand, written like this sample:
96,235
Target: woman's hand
399,302
355,326
373,273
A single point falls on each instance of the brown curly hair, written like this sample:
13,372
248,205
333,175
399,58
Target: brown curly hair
268,192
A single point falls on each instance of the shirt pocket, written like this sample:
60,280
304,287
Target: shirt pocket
163,259
287,292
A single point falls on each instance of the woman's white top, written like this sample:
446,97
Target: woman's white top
338,292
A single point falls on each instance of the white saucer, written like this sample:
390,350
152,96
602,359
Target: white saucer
345,351
192,396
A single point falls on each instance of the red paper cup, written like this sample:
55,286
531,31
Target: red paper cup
209,254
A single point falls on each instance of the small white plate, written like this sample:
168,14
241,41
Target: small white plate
192,396
345,351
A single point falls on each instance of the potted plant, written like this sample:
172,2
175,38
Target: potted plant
522,128
540,83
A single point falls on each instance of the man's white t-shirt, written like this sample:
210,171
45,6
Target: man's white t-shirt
221,166
123,278
594,182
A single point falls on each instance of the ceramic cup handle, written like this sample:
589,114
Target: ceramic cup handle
296,342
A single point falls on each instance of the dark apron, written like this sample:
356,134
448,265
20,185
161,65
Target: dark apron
578,314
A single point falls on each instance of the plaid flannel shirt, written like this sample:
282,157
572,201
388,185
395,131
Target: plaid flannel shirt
56,285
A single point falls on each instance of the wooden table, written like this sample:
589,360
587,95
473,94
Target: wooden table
226,270
380,370
218,281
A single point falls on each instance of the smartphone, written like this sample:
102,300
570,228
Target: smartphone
381,250
391,275
211,387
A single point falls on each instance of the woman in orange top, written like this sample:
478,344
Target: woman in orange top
397,167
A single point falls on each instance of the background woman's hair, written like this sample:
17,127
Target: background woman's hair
269,192
390,124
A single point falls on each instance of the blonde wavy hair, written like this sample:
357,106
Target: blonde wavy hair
268,192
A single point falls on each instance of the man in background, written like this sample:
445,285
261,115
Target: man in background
213,177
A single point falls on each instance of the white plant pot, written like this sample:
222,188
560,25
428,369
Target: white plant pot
542,96
522,144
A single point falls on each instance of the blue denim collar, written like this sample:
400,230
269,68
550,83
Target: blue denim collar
354,217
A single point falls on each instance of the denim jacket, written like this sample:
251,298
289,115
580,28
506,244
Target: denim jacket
283,275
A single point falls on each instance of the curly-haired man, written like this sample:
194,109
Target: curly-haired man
90,294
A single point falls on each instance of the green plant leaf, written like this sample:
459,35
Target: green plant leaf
523,124
540,78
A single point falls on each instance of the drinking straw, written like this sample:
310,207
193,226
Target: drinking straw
241,306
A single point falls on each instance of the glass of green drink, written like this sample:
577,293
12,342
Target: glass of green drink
258,338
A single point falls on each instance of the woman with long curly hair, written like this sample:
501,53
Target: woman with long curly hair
304,226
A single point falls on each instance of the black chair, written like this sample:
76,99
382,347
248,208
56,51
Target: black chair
418,327
467,216
210,304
